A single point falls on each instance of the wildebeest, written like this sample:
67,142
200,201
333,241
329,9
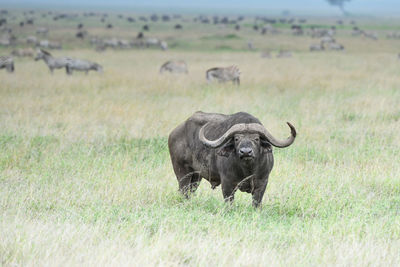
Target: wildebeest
81,34
7,62
51,62
231,73
140,35
232,150
174,66
82,65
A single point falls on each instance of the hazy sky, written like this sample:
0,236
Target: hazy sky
371,7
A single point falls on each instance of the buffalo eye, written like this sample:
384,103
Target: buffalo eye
236,139
257,139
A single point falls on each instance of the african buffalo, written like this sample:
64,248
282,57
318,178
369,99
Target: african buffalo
232,150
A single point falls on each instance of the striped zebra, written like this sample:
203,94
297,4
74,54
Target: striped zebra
52,62
82,65
231,73
178,66
7,62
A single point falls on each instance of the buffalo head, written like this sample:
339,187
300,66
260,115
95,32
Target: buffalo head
246,140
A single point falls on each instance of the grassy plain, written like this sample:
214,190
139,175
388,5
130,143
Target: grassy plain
85,175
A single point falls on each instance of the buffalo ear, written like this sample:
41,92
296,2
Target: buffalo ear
226,150
265,146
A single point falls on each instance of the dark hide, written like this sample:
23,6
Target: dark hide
226,164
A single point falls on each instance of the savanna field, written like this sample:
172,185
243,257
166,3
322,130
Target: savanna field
85,173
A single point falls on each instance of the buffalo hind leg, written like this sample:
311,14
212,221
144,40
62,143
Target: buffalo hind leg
189,181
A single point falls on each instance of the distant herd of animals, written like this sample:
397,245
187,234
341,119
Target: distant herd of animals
262,25
220,74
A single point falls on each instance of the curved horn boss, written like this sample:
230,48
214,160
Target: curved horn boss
249,128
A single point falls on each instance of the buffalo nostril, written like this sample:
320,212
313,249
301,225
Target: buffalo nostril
245,151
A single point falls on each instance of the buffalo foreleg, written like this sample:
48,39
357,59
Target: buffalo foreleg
259,190
228,191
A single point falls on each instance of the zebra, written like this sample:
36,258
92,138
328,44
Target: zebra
174,67
7,62
317,47
31,40
42,31
327,40
52,62
82,65
49,44
336,46
231,73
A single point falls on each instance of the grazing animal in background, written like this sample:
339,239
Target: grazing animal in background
31,40
152,42
327,40
23,52
51,62
174,67
284,53
336,46
49,44
42,31
250,46
81,34
232,150
317,47
82,65
231,73
7,62
163,45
